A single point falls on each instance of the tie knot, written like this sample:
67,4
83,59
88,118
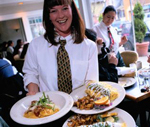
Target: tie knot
108,28
62,42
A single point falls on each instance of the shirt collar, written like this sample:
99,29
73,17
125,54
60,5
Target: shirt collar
69,39
103,24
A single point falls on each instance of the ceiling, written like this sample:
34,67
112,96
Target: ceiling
4,3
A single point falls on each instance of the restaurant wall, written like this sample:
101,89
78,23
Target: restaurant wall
11,30
24,13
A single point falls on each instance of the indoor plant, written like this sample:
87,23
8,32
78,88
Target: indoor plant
140,30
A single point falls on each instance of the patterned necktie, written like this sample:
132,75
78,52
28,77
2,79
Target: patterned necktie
64,70
111,39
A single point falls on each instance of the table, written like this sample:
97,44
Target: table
134,93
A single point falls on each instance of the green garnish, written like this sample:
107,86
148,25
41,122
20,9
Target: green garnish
44,101
116,118
100,118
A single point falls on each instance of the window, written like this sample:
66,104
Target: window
36,26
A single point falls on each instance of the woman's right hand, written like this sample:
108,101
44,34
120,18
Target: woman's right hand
32,89
99,41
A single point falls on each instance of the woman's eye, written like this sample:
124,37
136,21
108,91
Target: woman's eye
65,8
52,11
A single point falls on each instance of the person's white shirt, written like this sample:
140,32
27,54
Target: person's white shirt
40,64
101,30
10,49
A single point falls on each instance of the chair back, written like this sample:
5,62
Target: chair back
129,57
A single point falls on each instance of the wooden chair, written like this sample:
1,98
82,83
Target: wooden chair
129,57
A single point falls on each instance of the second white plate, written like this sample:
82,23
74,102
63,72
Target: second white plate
80,92
126,82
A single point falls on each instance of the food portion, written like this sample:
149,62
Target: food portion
100,89
99,120
99,95
41,108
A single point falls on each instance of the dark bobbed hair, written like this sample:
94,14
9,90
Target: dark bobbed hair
108,9
19,41
77,25
10,42
90,34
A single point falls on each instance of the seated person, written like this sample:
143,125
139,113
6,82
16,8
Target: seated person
18,47
107,67
3,123
11,80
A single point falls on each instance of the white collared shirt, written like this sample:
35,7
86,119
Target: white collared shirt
40,64
101,30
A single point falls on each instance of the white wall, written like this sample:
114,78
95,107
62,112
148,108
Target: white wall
24,12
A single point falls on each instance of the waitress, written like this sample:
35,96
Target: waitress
108,34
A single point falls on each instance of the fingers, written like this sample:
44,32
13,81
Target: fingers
32,88
124,38
99,41
31,93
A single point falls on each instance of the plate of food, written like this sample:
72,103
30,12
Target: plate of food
41,108
115,117
126,81
97,97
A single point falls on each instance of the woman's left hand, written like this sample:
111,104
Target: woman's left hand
123,40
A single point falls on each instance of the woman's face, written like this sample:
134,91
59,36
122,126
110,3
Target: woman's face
109,17
61,17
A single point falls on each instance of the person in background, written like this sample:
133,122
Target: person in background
5,45
10,51
107,63
12,89
10,48
109,35
3,49
63,23
18,47
3,122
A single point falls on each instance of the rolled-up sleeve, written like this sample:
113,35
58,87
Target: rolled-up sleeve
30,68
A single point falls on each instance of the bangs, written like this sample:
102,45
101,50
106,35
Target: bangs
52,3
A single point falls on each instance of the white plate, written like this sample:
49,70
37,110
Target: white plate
123,117
63,100
126,82
80,92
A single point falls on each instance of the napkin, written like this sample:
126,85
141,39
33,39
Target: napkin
125,70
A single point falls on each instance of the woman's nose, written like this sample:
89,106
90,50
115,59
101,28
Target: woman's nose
60,14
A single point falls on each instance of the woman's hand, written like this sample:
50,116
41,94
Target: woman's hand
99,41
123,40
32,89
